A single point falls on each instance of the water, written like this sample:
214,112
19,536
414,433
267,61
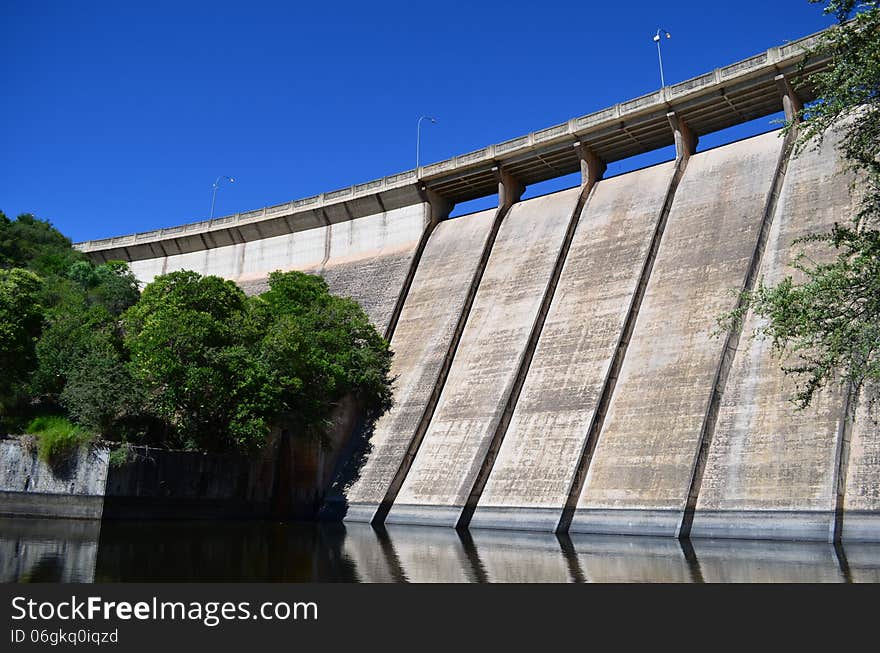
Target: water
34,550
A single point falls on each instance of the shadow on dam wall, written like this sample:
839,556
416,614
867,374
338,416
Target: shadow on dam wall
60,550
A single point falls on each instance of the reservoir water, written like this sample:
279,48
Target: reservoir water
35,550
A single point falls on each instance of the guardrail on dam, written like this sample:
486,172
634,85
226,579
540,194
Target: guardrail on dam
555,359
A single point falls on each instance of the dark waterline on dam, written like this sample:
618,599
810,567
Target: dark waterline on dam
35,550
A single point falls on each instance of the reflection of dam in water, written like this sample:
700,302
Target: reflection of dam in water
557,362
65,550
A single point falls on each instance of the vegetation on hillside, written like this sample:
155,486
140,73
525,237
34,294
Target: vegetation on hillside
189,363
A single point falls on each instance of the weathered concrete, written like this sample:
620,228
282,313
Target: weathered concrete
529,483
366,259
161,484
639,477
521,557
28,486
487,360
420,343
861,517
770,472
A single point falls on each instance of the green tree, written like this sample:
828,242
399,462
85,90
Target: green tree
100,393
321,348
20,320
111,285
34,244
82,312
185,341
830,322
220,369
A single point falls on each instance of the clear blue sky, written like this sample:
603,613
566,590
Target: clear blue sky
118,116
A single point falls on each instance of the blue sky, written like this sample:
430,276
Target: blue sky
118,116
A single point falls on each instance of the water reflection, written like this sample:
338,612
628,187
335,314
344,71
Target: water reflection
759,562
518,557
48,550
434,555
863,562
81,551
613,559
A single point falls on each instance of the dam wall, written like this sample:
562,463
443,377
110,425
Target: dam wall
530,480
639,477
861,498
483,372
559,364
365,258
774,467
421,344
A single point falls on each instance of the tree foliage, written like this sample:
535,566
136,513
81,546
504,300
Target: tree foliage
184,338
219,368
34,244
20,319
191,362
320,346
830,322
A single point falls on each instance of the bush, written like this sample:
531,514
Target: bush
120,455
219,368
58,439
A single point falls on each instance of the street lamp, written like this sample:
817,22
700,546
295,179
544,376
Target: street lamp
419,135
659,57
216,186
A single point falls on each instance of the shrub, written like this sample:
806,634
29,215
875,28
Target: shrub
121,455
58,439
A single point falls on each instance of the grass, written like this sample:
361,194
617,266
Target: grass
57,439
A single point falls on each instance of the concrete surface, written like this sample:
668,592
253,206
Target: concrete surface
487,360
366,259
28,486
861,517
640,474
771,468
420,343
529,483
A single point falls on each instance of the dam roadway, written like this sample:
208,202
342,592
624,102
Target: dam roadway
558,361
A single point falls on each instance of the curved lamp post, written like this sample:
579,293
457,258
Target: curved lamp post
419,135
216,186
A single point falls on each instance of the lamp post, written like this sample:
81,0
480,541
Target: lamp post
659,56
216,186
419,136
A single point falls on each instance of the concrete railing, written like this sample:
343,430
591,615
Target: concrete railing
773,58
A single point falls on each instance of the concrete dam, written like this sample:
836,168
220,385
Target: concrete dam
557,359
